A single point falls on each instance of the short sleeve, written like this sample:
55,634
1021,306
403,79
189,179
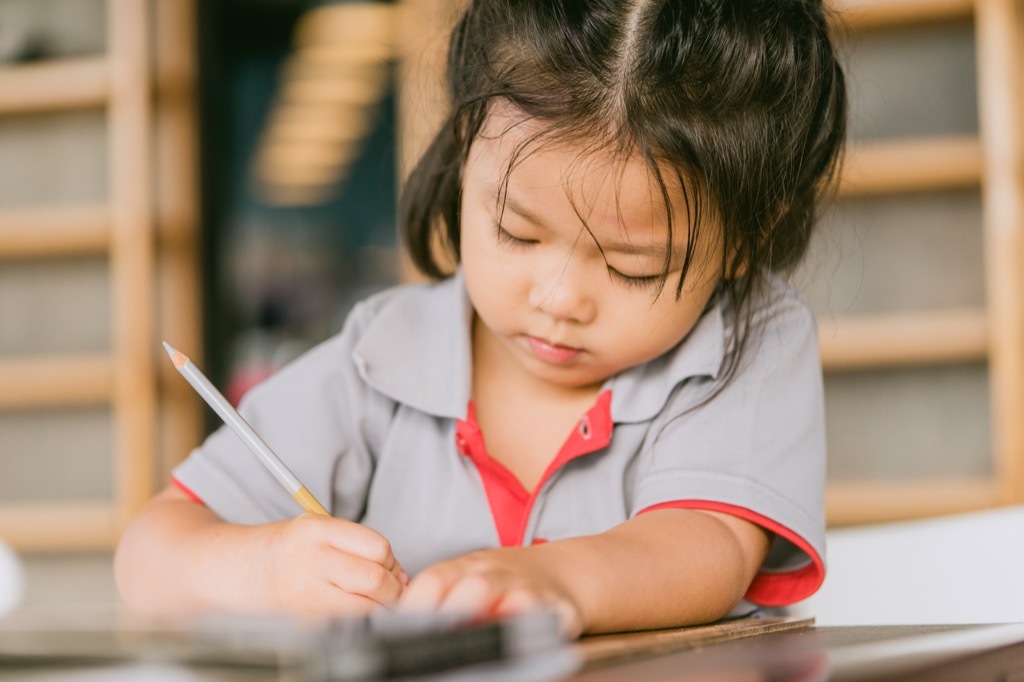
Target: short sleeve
318,416
756,450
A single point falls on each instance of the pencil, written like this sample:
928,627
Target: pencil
223,408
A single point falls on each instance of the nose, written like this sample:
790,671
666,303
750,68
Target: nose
566,293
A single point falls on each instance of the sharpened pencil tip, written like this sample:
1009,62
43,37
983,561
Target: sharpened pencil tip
177,357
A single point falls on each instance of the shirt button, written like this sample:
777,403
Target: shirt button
585,429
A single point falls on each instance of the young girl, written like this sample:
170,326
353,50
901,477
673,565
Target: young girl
609,404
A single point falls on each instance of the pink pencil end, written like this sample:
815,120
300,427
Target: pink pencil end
177,357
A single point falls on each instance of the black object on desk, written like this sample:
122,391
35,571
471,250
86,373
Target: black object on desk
527,648
385,645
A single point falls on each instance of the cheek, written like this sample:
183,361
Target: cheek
490,282
656,329
478,247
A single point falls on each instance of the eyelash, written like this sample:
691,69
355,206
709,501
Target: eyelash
645,282
509,239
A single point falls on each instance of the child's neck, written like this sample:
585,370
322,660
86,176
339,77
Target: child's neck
524,419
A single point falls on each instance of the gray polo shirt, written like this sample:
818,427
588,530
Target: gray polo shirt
378,423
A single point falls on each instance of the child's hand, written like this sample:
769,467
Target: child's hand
319,565
489,583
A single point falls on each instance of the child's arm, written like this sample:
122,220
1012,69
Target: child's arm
177,555
668,567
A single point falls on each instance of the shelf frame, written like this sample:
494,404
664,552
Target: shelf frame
56,85
912,165
992,161
868,15
999,30
48,382
904,339
54,232
147,230
47,526
867,502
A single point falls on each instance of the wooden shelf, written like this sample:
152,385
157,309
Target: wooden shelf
56,85
911,165
862,15
54,231
55,382
918,338
144,87
873,502
999,40
59,526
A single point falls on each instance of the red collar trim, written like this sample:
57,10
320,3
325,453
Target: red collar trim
188,491
509,501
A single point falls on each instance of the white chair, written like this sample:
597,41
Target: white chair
965,568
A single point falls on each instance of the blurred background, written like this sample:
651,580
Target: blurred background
223,175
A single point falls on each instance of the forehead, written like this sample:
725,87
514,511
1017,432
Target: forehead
532,163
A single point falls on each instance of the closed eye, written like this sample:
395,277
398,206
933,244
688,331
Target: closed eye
507,238
637,282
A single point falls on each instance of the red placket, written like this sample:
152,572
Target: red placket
510,502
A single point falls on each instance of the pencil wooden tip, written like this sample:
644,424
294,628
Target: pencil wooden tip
177,357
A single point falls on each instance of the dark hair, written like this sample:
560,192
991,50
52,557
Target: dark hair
743,100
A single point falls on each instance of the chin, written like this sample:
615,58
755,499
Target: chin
570,379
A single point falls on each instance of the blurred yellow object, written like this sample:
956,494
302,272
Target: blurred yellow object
329,92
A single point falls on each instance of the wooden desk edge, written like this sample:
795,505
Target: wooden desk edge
601,649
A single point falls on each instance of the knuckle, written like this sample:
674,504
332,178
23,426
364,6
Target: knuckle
522,598
375,578
478,582
303,528
379,548
428,579
426,588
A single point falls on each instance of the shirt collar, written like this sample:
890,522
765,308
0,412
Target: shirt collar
417,349
434,373
640,393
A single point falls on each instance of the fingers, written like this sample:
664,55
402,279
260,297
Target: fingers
451,591
449,588
518,602
473,595
331,582
353,538
361,576
425,592
328,565
326,599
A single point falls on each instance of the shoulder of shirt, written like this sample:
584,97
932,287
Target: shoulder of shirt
781,305
411,344
414,293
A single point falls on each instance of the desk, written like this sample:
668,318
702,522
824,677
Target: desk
781,651
844,654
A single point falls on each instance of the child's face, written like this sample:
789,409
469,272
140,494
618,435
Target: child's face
573,307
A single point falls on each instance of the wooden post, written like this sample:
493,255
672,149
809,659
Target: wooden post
1000,30
132,254
177,200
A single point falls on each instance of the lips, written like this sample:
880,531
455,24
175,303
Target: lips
551,352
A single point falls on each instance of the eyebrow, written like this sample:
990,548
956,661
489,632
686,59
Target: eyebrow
507,203
644,250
